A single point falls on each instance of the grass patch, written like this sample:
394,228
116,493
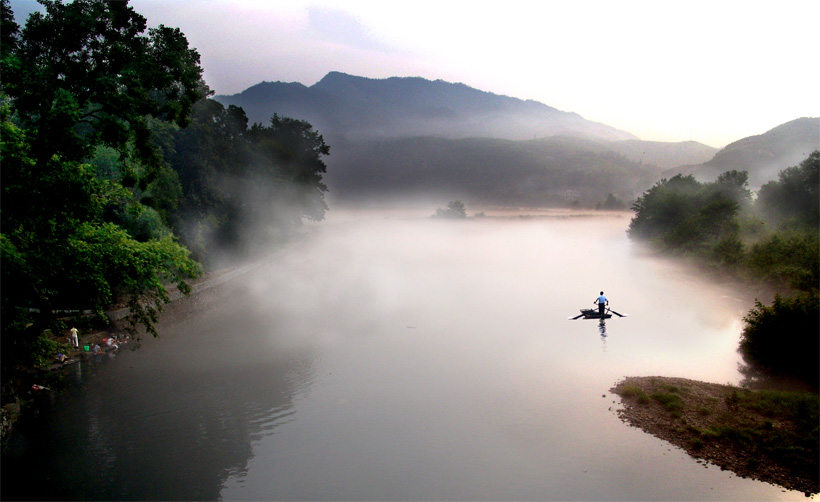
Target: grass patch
673,389
635,392
670,401
766,431
781,425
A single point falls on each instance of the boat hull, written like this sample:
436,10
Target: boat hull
593,314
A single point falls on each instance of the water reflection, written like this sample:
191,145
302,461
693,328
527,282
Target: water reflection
171,421
399,360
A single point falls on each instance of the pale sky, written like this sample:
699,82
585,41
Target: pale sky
711,71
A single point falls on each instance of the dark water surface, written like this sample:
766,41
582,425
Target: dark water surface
399,358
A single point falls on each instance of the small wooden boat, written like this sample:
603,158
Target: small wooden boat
594,314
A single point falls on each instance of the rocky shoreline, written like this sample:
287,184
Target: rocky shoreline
698,417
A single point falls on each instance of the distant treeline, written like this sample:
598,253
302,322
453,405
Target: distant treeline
770,241
557,171
120,176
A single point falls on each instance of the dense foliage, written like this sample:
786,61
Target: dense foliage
784,337
243,187
793,198
771,241
82,78
684,214
115,164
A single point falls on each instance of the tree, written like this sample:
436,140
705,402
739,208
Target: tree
734,185
243,186
83,74
455,209
80,79
682,213
787,259
291,150
794,196
612,203
9,31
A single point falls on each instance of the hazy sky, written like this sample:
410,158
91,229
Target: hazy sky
710,71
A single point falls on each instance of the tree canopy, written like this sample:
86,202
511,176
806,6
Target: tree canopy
242,185
77,80
455,210
682,213
115,163
793,197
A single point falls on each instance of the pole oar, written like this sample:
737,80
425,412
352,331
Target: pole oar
617,314
576,317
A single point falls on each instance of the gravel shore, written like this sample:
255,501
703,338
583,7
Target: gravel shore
688,420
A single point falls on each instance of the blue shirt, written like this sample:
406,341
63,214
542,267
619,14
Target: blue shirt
602,299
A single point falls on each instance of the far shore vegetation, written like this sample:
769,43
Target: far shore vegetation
769,242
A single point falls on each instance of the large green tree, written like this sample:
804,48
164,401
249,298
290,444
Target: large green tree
85,73
244,187
80,80
683,214
291,150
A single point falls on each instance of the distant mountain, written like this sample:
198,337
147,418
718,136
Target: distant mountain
346,107
764,155
410,137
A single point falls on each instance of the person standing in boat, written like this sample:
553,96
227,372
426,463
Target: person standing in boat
602,303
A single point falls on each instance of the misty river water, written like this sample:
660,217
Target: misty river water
390,356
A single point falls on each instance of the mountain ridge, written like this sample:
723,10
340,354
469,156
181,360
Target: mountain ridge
763,156
351,108
409,136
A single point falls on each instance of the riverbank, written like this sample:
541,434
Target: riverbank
770,436
23,385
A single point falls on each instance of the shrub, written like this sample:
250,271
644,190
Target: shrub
789,258
782,338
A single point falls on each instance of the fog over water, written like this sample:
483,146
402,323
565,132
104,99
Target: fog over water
389,356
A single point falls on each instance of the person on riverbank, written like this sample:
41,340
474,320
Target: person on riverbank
75,341
602,303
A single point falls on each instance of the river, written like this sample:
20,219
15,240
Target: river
389,356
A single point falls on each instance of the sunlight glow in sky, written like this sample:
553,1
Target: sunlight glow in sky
712,72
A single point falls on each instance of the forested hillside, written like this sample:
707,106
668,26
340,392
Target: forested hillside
763,155
556,171
116,165
663,154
